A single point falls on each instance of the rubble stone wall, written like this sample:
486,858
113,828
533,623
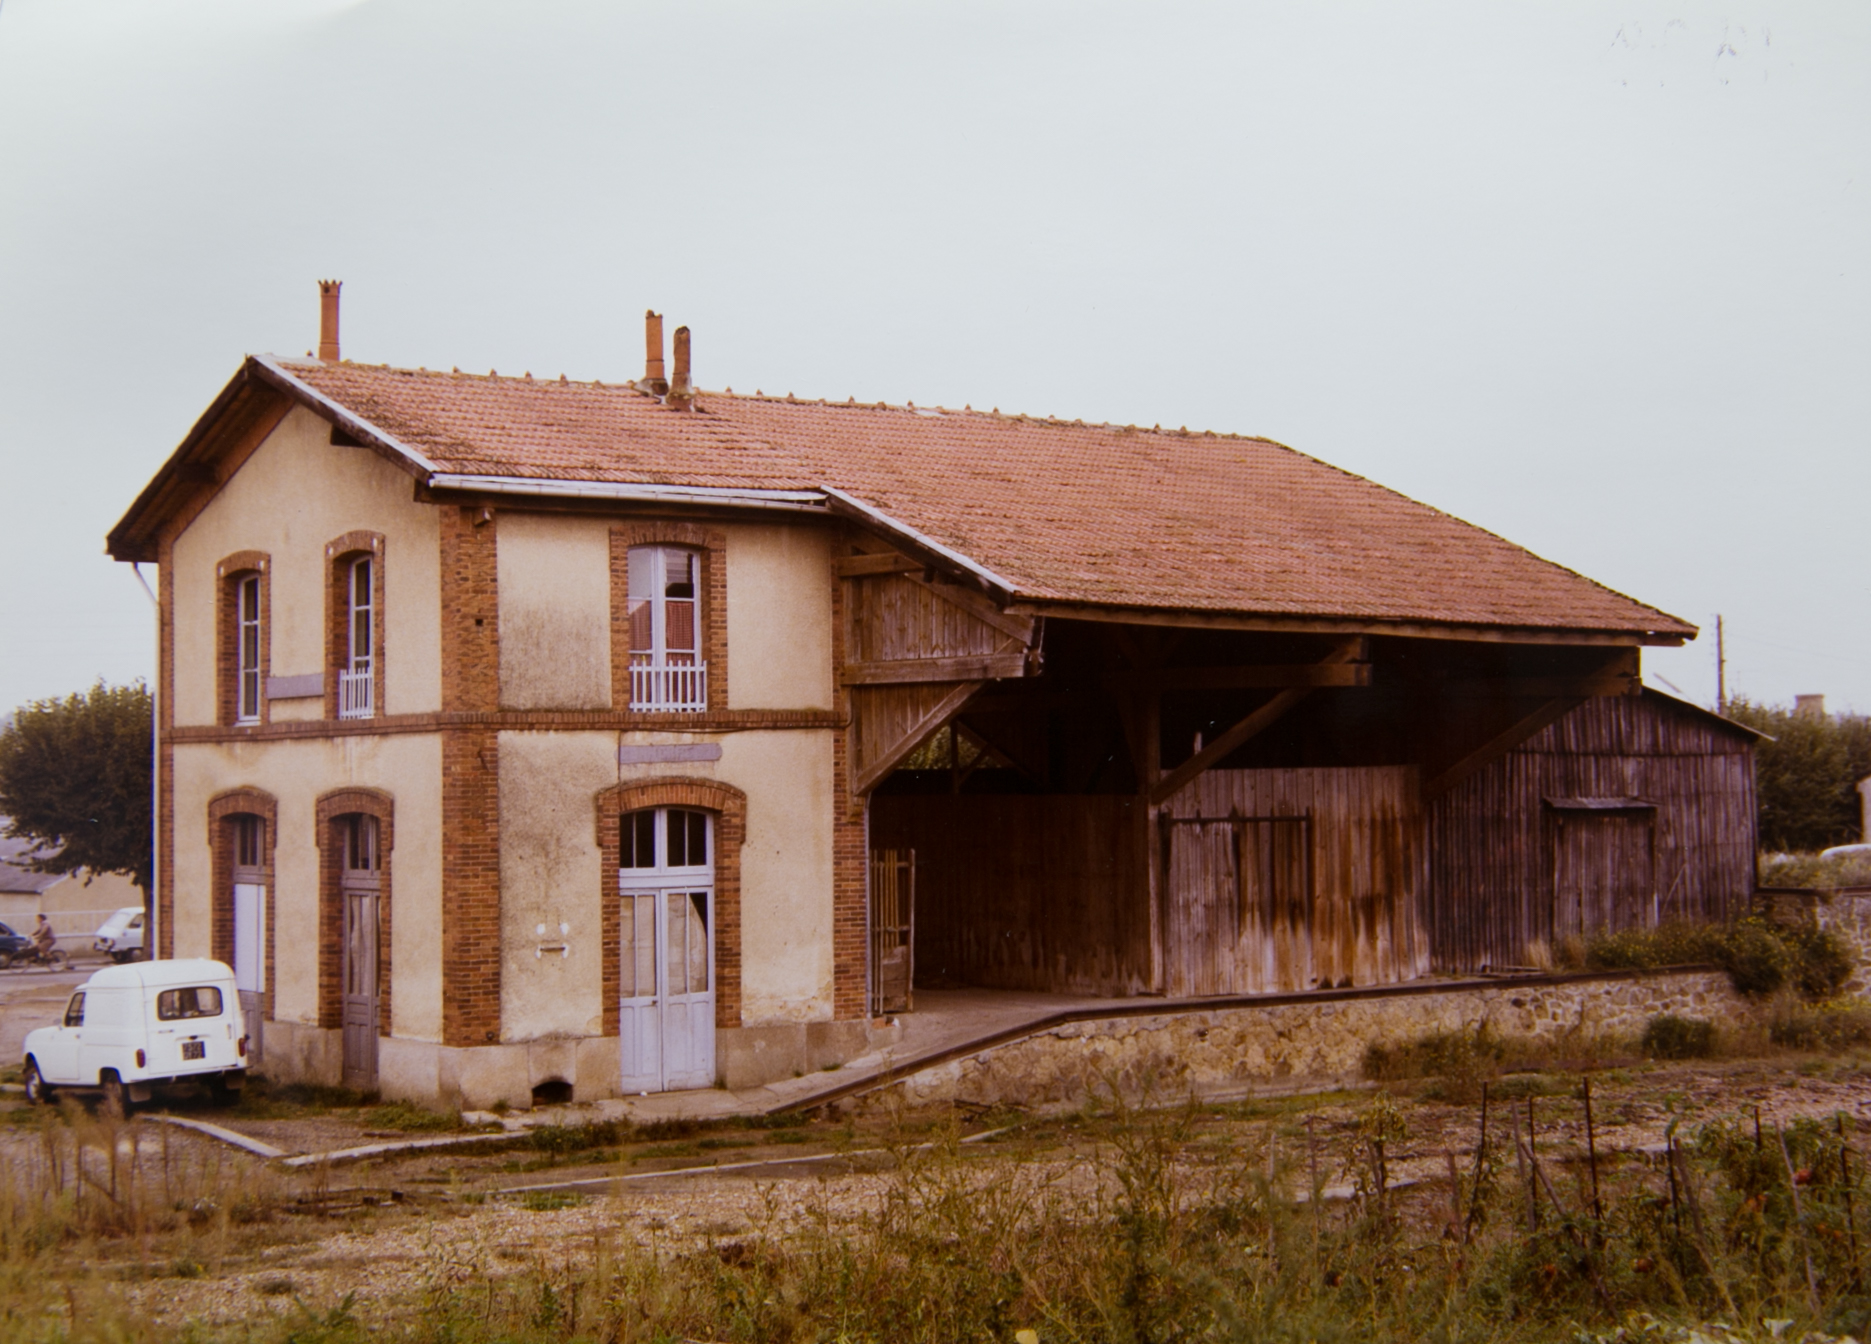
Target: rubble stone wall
1238,1050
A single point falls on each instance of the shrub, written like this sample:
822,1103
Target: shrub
1671,1037
1460,1061
1760,955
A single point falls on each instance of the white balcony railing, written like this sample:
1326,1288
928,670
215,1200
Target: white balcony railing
669,686
356,699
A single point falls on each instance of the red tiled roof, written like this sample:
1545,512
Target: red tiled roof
1064,511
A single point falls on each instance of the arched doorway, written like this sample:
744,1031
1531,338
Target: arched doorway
666,892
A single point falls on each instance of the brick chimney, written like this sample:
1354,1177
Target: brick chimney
328,320
653,379
681,391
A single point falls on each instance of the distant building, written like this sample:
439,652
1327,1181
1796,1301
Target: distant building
66,899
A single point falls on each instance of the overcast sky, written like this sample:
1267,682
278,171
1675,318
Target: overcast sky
1592,276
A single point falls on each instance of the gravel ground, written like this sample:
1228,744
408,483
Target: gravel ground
435,1238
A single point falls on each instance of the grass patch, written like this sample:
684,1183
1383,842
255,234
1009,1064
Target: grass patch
1834,1027
544,1201
1760,955
1810,871
408,1117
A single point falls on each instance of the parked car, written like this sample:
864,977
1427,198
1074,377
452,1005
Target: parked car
12,944
131,1031
121,936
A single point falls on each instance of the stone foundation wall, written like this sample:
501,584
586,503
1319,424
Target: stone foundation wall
1238,1049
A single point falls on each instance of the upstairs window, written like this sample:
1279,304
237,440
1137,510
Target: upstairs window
357,667
664,606
247,671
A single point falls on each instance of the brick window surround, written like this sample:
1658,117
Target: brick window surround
712,546
339,553
729,805
332,808
224,810
227,576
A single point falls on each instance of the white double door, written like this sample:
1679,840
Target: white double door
666,894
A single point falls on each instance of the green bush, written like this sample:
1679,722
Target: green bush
1760,955
1809,870
1671,1037
1460,1061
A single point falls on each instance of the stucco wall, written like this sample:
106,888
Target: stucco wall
779,617
293,495
555,613
550,864
549,873
409,768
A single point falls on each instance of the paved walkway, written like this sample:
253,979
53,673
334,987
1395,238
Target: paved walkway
944,1020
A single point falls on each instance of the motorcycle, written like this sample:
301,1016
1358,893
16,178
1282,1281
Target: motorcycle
54,958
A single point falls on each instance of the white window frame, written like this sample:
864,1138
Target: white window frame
661,678
356,675
248,637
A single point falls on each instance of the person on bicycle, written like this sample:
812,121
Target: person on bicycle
43,937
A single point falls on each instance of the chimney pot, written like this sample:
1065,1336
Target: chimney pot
681,390
328,320
653,378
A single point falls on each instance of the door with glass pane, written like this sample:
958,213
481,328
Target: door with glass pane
249,928
359,887
666,897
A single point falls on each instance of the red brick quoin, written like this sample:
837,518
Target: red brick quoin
729,805
332,806
223,808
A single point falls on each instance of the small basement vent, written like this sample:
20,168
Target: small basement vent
552,1092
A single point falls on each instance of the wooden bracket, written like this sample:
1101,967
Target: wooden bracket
1350,650
1501,743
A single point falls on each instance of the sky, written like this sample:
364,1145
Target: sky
1590,275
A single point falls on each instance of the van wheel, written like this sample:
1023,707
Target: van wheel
116,1099
37,1093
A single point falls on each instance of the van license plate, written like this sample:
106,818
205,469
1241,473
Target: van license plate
194,1049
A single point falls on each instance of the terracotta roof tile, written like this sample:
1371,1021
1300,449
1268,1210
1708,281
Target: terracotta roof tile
1068,512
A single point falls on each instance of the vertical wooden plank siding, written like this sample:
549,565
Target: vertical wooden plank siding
1285,880
1041,892
1491,839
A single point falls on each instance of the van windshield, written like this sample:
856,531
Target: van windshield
195,1001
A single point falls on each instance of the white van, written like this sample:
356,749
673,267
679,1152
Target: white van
121,936
131,1030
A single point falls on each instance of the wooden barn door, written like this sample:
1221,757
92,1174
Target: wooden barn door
1604,871
1239,917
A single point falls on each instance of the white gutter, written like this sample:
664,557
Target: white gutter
152,943
347,420
792,501
889,524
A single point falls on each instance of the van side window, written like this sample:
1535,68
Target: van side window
196,1001
74,1013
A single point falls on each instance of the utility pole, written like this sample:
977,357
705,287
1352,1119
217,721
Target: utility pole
1721,669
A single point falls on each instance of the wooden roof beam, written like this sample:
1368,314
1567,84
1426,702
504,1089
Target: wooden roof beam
1261,719
1501,743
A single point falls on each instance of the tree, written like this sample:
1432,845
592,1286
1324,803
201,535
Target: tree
75,780
1807,776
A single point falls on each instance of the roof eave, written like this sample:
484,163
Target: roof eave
1333,623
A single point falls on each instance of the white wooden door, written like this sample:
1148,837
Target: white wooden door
666,914
250,960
